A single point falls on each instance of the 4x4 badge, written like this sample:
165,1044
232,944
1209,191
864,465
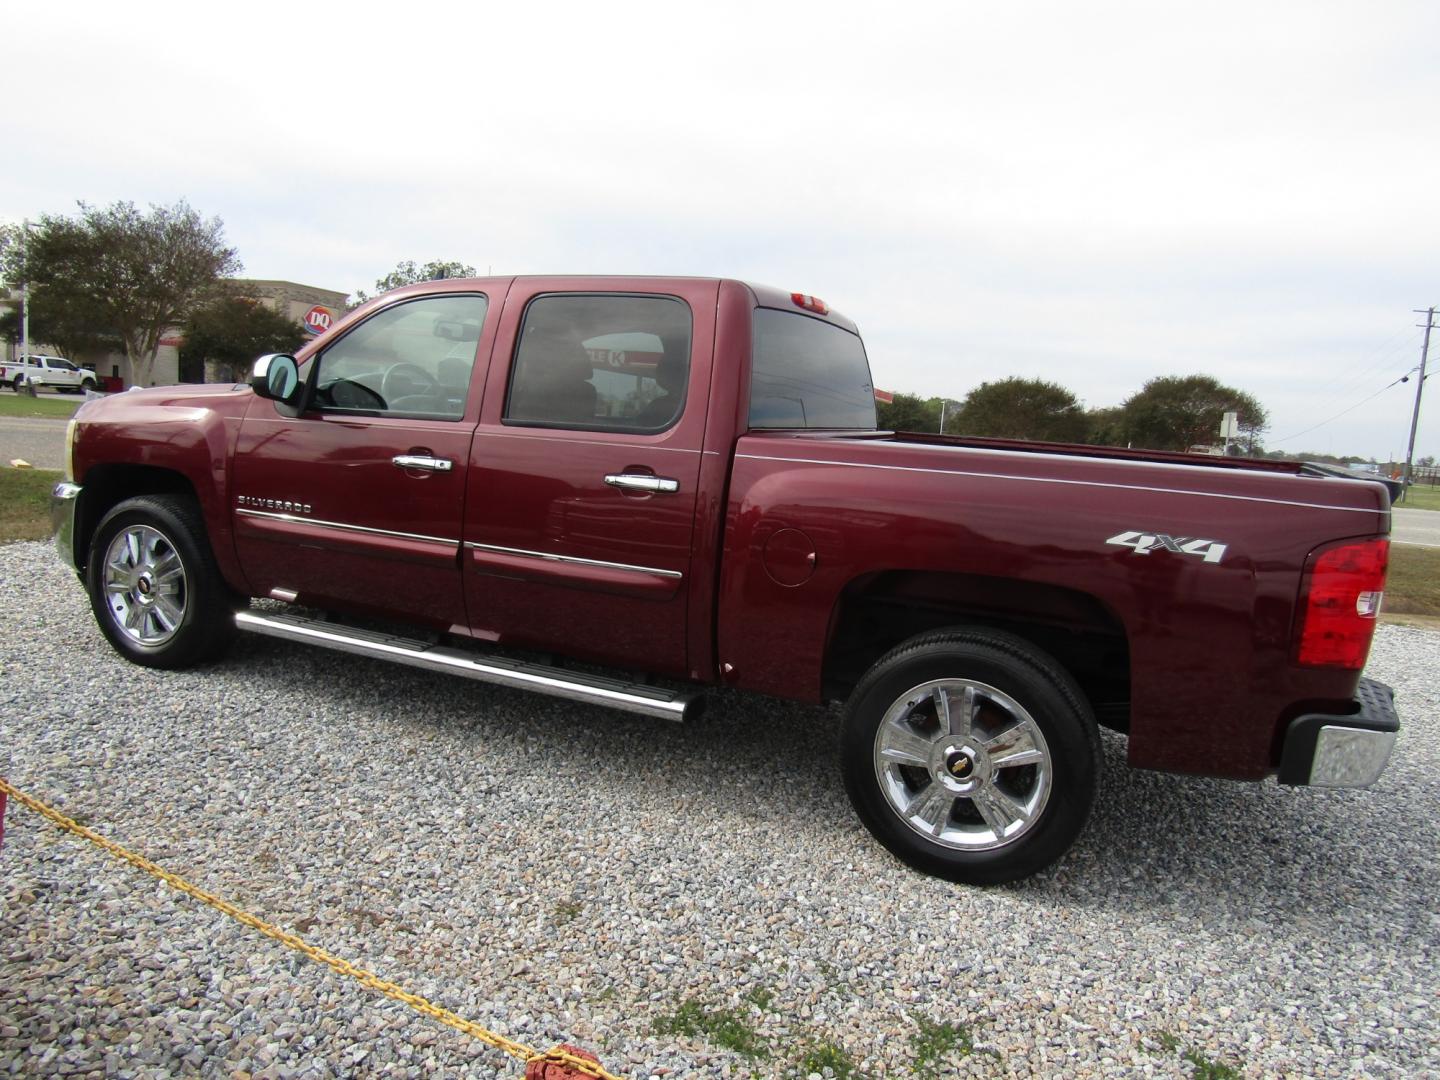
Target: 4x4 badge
1144,543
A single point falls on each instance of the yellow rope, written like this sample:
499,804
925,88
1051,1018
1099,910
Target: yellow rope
343,967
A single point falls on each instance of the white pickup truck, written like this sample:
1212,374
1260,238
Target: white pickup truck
53,371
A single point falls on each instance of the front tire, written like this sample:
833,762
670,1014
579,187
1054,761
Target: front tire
971,755
154,587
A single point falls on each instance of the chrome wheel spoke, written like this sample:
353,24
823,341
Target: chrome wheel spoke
942,707
932,805
956,712
168,569
1015,746
166,614
998,809
902,746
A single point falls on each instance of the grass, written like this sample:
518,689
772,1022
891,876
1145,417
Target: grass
567,911
1413,585
25,503
936,1046
52,406
1202,1067
1421,497
824,1055
729,1029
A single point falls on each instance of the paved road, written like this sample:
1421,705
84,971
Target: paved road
40,442
1415,527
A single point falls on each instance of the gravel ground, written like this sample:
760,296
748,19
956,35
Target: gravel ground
558,872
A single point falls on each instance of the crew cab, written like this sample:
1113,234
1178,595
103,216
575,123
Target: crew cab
53,371
677,483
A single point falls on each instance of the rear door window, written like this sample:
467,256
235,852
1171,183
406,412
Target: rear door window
601,362
807,373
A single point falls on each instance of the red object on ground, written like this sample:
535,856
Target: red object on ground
541,1069
2,817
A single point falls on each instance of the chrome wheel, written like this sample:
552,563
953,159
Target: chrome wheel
145,586
962,764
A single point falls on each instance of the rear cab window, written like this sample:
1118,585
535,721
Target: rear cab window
808,373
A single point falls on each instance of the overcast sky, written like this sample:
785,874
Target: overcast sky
1093,193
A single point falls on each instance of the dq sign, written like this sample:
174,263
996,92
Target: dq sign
318,319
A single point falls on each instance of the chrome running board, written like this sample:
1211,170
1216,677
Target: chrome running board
652,701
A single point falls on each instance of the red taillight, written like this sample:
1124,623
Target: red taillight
810,303
1346,585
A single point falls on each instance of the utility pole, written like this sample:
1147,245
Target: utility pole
1419,388
25,291
945,404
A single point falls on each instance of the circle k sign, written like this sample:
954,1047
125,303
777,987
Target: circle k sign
318,319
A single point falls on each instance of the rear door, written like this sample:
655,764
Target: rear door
356,503
582,487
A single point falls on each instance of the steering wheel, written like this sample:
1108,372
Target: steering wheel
408,380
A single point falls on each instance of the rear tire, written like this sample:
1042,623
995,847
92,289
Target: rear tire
154,587
971,755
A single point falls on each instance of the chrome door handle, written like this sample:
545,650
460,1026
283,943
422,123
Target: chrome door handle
659,485
422,461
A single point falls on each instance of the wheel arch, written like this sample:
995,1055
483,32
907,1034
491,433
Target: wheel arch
878,611
107,485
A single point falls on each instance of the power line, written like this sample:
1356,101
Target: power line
1351,409
1356,378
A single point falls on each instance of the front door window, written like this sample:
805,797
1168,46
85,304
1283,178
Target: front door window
411,360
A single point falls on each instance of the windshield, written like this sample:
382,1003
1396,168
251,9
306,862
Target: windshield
808,374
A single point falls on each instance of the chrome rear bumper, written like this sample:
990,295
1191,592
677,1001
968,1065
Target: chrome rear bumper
1344,750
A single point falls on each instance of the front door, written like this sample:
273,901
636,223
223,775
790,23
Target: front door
583,477
357,502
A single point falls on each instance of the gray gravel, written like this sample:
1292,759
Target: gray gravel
559,872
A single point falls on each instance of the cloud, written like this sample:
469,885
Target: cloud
1094,194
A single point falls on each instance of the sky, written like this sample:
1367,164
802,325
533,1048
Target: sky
1094,194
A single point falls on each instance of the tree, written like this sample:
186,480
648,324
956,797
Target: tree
74,331
136,274
230,332
1175,413
1018,408
407,273
909,412
1105,427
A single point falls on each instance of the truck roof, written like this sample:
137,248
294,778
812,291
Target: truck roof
767,296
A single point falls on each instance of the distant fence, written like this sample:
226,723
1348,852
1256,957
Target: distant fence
1426,474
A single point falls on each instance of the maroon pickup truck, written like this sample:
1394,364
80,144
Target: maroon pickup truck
682,478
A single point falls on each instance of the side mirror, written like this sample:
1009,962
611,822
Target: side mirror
276,376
